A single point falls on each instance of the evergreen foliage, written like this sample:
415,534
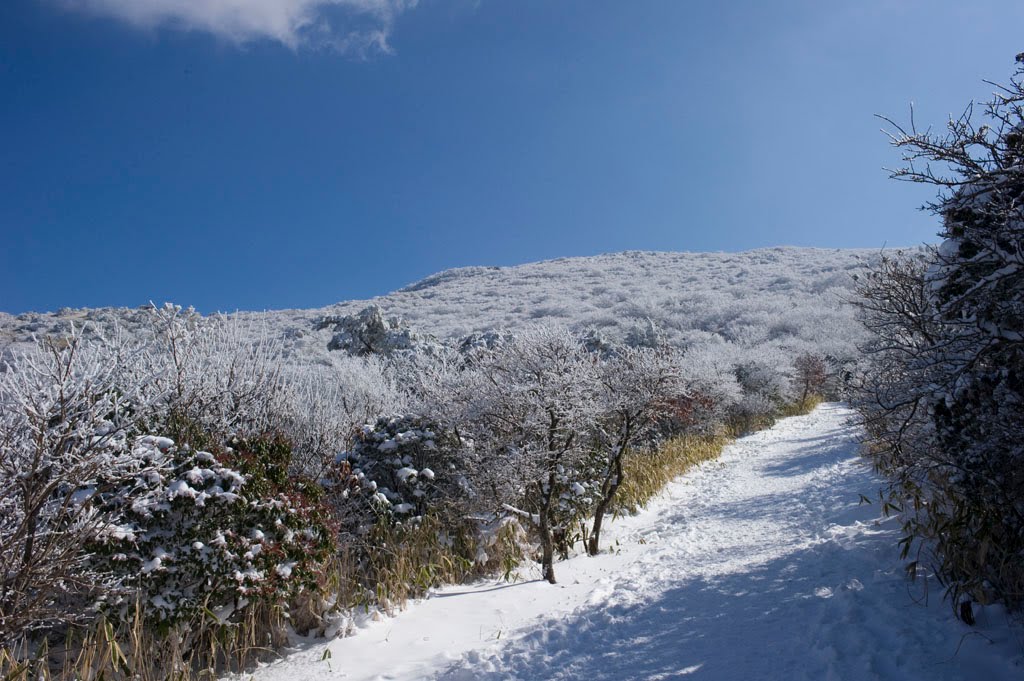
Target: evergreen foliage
943,395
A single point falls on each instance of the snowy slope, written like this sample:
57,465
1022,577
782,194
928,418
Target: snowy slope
761,565
776,295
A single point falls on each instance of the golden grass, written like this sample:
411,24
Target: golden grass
110,650
800,407
645,474
401,562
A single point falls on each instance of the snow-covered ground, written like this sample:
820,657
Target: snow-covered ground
789,297
761,565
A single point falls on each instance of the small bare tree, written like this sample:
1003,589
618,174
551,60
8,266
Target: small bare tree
811,374
633,385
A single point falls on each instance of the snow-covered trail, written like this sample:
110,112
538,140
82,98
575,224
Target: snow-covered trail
760,565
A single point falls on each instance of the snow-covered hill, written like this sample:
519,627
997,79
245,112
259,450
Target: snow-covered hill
789,296
760,565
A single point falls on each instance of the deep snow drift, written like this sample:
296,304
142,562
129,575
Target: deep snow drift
761,565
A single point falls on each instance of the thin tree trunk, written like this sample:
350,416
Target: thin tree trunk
611,487
547,542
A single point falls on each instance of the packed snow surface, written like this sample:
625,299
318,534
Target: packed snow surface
760,565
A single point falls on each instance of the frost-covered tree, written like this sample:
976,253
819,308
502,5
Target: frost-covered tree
811,372
371,333
325,406
535,399
634,385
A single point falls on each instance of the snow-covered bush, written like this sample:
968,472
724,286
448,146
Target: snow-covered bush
398,470
765,389
187,532
403,498
944,390
325,407
371,333
710,390
65,424
212,377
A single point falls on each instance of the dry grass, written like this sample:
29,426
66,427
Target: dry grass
645,474
800,407
111,650
394,565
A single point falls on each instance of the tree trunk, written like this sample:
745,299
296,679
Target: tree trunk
593,546
547,545
610,488
547,542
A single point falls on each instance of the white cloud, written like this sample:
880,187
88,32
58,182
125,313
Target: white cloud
346,25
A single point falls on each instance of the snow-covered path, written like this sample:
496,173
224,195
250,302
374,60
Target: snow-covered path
761,565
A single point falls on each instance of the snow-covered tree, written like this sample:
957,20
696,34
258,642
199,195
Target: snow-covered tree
811,372
371,333
535,400
634,385
952,346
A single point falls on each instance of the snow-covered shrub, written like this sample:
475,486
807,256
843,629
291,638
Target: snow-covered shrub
325,407
765,390
402,499
645,335
488,340
371,333
188,532
212,377
64,427
398,470
710,390
943,393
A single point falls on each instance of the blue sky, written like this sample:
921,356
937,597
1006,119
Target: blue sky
259,154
